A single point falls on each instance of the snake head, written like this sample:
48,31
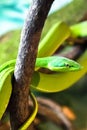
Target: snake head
62,64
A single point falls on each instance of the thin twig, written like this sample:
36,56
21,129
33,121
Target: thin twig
53,111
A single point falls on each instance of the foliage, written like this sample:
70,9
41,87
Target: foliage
40,80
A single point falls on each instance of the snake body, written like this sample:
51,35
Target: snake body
53,63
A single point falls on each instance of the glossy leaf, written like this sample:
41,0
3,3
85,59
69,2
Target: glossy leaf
54,38
5,89
79,29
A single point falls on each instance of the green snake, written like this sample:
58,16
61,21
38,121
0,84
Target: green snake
54,63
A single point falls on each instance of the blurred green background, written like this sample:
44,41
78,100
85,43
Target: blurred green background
74,97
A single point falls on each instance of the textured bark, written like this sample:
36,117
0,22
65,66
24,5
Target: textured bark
19,108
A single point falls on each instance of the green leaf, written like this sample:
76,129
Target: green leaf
59,32
79,29
35,79
5,89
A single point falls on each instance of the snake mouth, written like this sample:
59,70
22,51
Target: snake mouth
77,68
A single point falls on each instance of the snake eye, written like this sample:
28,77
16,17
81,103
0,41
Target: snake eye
67,65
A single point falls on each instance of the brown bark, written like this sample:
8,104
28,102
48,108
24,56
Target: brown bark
19,108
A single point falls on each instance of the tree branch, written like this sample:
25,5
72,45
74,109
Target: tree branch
19,109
